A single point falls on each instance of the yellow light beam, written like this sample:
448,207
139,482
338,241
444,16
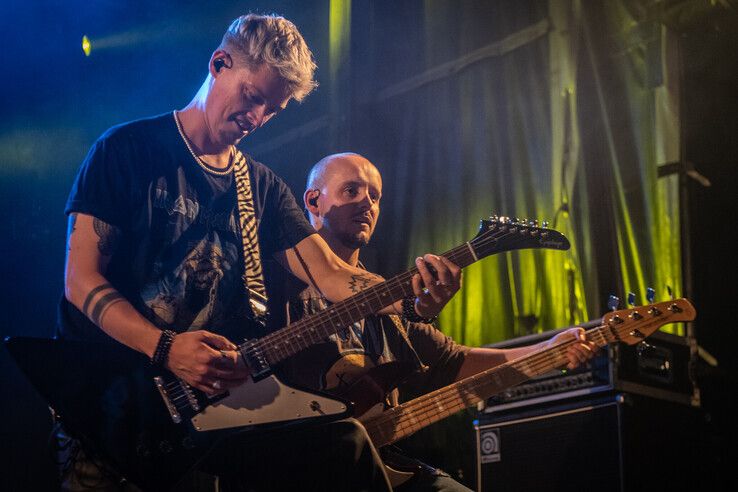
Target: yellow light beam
86,45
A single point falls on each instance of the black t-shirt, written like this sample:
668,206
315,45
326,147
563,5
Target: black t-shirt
179,260
368,346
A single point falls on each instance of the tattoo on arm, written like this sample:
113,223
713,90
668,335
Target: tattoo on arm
95,311
103,304
360,282
108,236
92,294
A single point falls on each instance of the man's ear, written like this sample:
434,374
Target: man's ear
219,60
311,201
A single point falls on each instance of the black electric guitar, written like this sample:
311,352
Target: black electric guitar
389,426
152,427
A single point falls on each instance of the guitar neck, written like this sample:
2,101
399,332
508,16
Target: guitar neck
408,418
313,329
497,237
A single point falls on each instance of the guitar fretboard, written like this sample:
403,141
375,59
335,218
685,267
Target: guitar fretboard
313,329
406,419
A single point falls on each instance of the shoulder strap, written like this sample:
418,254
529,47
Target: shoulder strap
253,276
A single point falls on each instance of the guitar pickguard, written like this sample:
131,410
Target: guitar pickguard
264,402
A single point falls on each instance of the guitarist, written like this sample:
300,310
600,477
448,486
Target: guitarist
343,201
163,230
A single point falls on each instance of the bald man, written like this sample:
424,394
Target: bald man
342,200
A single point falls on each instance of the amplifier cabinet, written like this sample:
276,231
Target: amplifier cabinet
614,443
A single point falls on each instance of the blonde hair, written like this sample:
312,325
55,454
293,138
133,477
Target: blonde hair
271,39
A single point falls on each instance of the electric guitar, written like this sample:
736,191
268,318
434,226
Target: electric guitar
152,427
629,326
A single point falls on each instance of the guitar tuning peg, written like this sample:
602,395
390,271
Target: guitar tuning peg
494,218
613,302
631,299
650,295
544,224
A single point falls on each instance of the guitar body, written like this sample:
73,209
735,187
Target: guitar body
397,473
104,395
367,395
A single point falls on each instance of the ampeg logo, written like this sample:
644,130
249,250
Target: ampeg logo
489,446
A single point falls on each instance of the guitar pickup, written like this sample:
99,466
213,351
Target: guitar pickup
254,360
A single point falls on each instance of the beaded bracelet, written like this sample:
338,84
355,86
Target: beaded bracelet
410,314
161,354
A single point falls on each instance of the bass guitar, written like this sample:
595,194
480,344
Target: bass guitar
629,326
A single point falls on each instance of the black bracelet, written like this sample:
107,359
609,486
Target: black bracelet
410,314
161,354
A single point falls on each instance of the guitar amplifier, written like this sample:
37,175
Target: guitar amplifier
612,443
662,367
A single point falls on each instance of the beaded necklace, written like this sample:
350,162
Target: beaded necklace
198,159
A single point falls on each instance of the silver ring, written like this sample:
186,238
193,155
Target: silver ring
224,354
216,384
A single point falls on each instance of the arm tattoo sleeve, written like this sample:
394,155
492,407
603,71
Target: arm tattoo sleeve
108,296
108,236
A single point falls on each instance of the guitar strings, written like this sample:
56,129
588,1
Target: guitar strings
308,325
450,399
409,415
269,343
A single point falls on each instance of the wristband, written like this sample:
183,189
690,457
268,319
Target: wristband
161,354
410,314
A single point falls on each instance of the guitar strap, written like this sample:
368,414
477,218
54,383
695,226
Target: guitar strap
400,326
419,366
253,276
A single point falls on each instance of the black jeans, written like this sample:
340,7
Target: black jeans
336,456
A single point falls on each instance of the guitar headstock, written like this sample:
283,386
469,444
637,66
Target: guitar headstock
498,234
633,325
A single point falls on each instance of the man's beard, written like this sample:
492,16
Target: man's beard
353,242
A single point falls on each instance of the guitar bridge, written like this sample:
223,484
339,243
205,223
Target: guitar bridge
159,382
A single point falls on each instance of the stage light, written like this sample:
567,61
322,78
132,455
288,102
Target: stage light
86,45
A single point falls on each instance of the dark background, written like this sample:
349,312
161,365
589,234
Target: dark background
55,102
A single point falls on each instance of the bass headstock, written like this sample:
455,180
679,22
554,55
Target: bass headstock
498,234
633,325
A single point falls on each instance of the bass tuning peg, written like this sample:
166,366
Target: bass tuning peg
613,302
650,295
631,299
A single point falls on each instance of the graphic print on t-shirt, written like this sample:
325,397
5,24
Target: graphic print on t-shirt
188,279
186,296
